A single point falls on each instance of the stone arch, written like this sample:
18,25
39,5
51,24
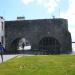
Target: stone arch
17,43
49,45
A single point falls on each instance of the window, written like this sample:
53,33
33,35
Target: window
2,39
2,25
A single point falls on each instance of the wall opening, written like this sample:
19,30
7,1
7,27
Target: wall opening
20,45
24,44
49,45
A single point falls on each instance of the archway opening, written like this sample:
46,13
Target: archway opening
49,45
20,45
24,44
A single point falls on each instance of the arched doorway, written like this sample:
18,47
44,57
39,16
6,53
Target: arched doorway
24,44
49,45
20,45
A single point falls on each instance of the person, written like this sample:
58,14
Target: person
23,45
1,51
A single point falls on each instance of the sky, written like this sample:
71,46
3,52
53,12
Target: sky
40,9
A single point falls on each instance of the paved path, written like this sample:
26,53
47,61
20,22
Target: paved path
7,57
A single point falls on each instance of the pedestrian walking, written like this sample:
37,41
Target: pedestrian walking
1,51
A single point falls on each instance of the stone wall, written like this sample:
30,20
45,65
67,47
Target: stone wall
36,30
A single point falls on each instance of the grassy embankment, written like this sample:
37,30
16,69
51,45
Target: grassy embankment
39,65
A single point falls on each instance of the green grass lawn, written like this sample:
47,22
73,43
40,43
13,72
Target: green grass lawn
39,65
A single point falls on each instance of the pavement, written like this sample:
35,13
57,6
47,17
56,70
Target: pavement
7,57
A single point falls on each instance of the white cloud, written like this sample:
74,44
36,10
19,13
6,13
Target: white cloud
70,15
49,4
26,2
72,30
39,1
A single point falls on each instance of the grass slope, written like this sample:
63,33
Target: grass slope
39,65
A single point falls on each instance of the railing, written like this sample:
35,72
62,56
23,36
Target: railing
73,42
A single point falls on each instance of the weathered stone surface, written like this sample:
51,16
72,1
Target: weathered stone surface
35,31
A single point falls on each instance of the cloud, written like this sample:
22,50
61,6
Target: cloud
39,1
50,5
72,30
70,15
26,2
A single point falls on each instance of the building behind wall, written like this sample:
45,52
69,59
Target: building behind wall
2,31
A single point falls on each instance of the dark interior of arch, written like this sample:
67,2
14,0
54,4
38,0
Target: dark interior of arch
49,45
13,46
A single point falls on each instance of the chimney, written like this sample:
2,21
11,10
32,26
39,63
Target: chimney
21,18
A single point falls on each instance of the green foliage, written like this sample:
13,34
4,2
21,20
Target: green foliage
39,65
